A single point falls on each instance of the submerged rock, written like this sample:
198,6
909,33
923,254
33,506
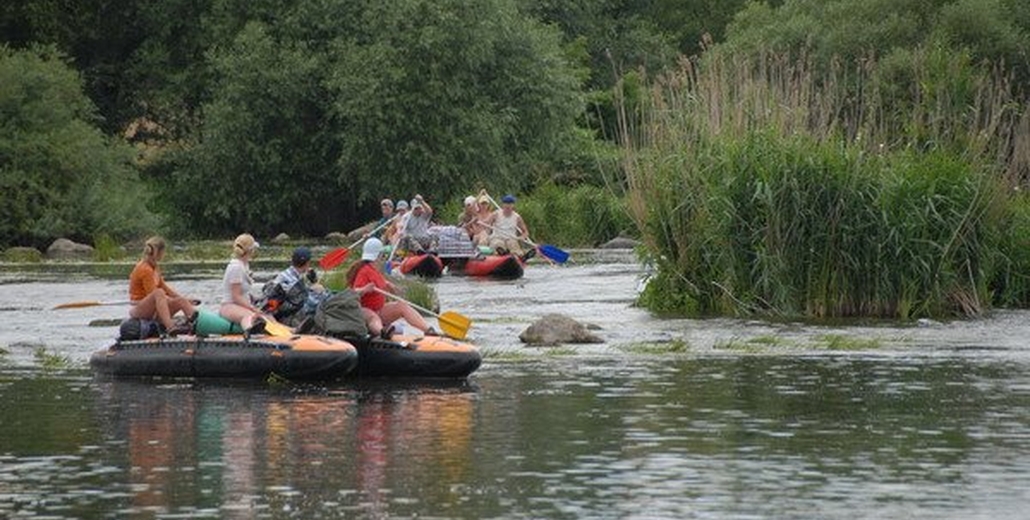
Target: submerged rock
281,238
556,329
64,249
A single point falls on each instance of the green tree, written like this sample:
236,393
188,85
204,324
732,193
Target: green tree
59,174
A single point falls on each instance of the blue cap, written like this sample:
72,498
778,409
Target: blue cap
508,199
301,256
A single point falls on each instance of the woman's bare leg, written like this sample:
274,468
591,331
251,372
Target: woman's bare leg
154,305
394,311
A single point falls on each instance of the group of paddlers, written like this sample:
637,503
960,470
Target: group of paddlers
294,294
408,227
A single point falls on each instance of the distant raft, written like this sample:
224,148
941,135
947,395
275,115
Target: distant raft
296,358
502,267
424,265
406,356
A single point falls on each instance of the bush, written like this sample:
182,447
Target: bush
781,194
579,216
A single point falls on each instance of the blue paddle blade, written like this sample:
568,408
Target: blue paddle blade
554,253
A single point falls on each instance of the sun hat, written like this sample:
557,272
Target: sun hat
508,199
301,256
470,200
371,250
402,204
386,202
244,244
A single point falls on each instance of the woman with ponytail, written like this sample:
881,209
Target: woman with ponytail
237,305
150,296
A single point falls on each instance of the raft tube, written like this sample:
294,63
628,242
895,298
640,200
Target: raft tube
424,265
406,356
298,357
504,267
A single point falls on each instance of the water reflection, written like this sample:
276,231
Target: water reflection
241,451
564,437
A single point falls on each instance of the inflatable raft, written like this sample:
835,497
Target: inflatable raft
406,356
424,265
220,349
504,267
294,358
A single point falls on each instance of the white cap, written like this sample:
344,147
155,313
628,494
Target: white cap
470,200
371,250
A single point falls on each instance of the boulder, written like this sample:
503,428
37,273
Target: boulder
557,329
620,243
23,255
281,238
356,234
336,237
64,249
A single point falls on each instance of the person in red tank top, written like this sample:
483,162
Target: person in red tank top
380,314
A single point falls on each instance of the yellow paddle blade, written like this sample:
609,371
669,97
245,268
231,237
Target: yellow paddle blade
275,328
76,305
454,325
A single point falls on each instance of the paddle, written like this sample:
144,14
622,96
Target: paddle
89,303
337,256
274,328
451,323
94,303
551,252
387,267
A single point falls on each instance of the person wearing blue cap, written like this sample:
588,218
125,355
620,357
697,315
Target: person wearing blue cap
507,229
295,292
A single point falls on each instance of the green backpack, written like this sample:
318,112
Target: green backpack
340,315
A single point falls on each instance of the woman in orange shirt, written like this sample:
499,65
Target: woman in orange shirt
150,296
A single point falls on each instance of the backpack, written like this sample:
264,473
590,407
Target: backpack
281,303
339,315
134,328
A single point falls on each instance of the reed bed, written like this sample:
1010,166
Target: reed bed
761,186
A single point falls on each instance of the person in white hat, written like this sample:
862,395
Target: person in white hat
468,215
364,278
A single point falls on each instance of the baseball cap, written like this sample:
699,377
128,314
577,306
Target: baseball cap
508,199
371,250
402,204
301,256
470,200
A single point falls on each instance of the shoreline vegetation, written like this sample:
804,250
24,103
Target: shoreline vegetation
785,159
768,187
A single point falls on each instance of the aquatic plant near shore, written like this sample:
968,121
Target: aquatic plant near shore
762,189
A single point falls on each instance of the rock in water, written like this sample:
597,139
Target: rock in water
64,249
281,238
336,237
556,329
620,243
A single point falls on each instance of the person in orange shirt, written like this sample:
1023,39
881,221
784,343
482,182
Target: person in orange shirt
150,296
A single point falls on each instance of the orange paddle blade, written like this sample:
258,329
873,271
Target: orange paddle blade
333,258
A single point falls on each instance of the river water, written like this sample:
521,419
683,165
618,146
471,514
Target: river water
668,419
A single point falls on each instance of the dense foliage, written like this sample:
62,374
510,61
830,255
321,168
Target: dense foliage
58,173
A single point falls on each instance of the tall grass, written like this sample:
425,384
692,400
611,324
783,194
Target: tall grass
579,216
762,187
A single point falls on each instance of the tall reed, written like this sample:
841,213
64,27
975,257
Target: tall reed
762,187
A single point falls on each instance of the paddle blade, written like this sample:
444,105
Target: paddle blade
277,329
454,325
333,258
554,253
